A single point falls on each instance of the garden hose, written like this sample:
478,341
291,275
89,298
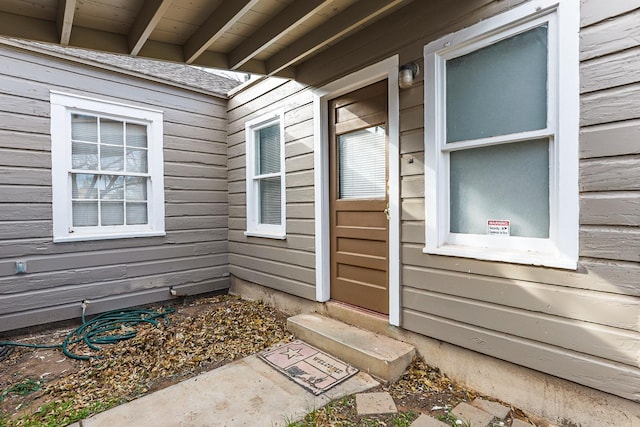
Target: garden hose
102,329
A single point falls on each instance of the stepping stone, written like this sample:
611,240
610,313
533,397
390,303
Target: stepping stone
375,403
425,420
494,408
472,415
520,423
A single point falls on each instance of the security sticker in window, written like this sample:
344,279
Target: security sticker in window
498,227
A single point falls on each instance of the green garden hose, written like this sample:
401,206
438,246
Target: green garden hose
100,330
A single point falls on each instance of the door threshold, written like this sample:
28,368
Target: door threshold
358,316
356,308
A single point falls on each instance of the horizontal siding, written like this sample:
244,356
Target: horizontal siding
613,243
286,265
191,258
619,173
610,71
579,325
610,208
73,310
274,281
610,139
616,344
44,73
616,311
593,11
610,36
600,374
610,105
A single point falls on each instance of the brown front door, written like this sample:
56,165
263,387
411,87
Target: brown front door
358,198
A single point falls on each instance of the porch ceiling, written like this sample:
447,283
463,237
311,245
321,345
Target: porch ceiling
259,36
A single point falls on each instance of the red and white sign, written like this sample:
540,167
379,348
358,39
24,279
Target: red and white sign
498,227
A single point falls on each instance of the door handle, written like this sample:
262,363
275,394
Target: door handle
387,212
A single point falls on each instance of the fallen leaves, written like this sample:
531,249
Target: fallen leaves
202,335
421,378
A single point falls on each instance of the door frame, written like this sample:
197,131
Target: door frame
386,69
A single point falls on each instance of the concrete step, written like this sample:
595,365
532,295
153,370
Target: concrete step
377,355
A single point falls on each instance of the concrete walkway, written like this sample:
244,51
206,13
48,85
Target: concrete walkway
247,392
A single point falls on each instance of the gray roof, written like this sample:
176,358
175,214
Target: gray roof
171,72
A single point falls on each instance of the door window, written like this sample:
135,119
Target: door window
361,164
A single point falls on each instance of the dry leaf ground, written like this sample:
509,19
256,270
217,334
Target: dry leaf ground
45,388
202,334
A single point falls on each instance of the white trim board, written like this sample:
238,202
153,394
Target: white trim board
386,69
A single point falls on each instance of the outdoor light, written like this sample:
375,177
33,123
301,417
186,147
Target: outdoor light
407,73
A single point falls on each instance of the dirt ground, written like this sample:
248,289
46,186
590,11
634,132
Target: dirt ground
43,387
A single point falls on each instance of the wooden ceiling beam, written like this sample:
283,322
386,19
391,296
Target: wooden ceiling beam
294,14
223,18
148,17
64,20
354,16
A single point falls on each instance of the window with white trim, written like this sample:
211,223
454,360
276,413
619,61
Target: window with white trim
266,216
501,138
107,169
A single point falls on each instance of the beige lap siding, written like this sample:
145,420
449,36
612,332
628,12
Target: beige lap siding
286,265
192,257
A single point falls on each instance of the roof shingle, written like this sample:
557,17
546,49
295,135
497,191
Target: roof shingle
171,72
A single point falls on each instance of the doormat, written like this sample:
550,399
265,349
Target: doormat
307,366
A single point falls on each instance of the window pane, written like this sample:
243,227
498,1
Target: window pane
136,135
111,187
111,132
362,164
111,158
136,188
84,186
268,150
84,128
136,160
84,156
501,182
270,201
85,214
136,213
499,89
112,213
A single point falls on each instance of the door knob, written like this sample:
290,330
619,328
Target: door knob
387,212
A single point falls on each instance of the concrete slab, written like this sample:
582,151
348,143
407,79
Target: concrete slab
425,420
472,415
375,403
494,408
378,355
247,392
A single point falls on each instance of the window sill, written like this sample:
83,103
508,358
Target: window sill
89,237
276,236
553,260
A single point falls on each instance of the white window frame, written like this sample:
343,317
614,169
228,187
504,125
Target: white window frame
254,228
560,250
62,106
